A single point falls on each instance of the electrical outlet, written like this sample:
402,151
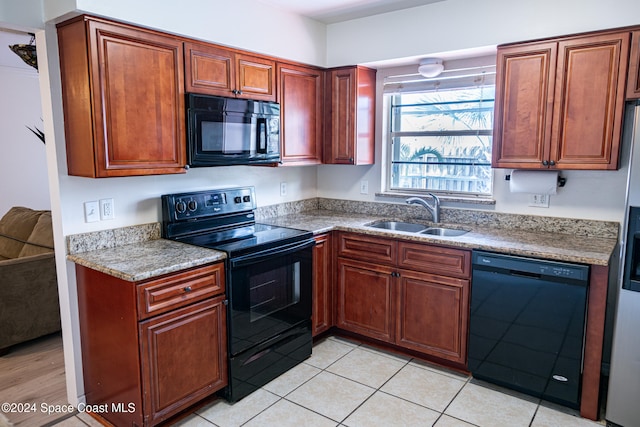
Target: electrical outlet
106,209
91,212
283,189
364,187
539,200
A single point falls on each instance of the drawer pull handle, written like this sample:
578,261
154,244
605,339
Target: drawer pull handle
187,288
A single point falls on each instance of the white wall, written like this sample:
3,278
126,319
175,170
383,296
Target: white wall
23,163
463,24
456,25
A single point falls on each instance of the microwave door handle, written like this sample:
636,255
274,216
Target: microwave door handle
262,135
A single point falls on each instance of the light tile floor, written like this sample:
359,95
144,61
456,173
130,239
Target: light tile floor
347,384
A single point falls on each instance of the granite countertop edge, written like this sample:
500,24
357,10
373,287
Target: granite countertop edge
139,261
569,248
143,260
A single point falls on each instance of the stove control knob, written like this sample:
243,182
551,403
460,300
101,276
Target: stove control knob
181,206
246,199
192,205
237,199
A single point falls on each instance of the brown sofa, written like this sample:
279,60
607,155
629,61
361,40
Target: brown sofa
29,305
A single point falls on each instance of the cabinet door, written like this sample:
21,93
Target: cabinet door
433,313
132,92
524,105
633,80
589,101
341,98
365,299
322,316
300,96
256,77
350,116
184,357
209,69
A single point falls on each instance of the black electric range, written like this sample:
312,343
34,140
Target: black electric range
268,281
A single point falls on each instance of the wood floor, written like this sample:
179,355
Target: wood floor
33,373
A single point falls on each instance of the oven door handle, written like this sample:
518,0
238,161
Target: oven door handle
269,253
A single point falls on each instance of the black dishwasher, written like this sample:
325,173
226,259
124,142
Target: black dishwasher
527,325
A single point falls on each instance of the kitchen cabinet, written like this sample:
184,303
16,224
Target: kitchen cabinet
158,345
322,316
300,94
633,81
413,295
433,300
215,70
559,103
123,99
365,299
350,116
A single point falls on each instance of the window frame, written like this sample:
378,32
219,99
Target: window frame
388,147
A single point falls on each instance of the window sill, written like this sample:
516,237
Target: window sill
476,200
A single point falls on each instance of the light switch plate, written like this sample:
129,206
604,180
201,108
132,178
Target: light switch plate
91,211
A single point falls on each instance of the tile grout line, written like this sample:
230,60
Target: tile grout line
284,397
371,395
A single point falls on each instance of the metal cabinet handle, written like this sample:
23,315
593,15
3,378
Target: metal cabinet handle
552,163
187,288
545,163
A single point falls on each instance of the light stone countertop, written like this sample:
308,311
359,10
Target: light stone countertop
137,253
547,245
144,260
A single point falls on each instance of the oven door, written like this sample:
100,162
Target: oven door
269,292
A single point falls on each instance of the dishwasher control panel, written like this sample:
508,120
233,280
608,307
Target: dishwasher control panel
530,266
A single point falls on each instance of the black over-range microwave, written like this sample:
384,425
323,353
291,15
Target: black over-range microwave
228,131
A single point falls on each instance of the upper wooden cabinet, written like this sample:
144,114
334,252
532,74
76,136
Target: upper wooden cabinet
559,103
300,94
633,83
350,116
215,70
123,98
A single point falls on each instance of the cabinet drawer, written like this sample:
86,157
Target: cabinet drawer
435,259
366,248
161,295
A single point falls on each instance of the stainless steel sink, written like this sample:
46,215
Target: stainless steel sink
410,227
441,231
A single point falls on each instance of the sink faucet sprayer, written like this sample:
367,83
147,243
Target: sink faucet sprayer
435,209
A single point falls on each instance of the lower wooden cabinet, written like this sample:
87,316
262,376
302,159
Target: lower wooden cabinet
183,357
322,315
423,308
365,299
433,315
150,364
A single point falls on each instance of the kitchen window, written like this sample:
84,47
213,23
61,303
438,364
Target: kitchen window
440,132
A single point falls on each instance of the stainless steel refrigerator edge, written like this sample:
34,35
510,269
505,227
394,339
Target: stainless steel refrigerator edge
623,400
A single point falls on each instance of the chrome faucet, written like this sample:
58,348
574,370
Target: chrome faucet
435,209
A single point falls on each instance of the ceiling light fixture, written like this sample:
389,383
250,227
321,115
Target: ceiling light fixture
430,67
